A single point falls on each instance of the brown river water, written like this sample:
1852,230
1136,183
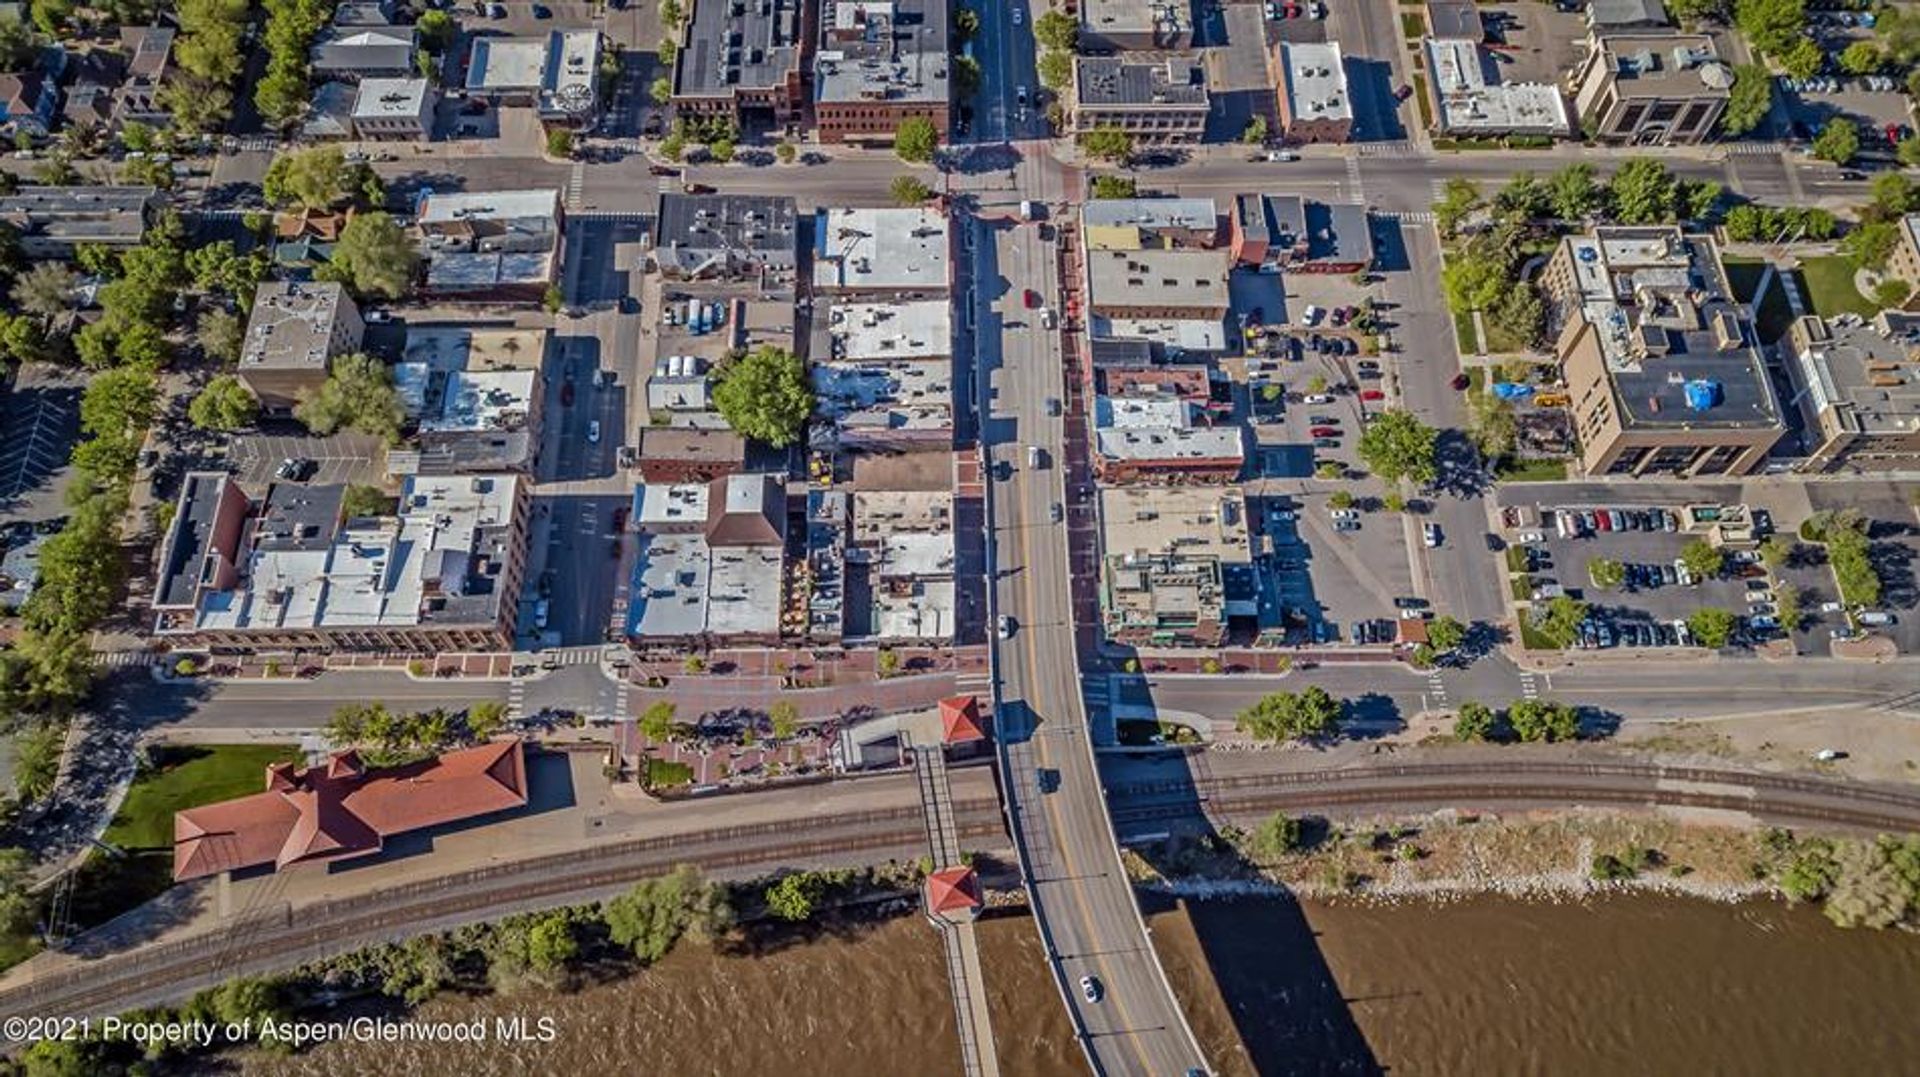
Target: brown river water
1476,986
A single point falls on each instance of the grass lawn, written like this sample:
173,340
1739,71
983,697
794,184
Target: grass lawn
1524,470
1420,99
1500,342
1520,587
1463,334
1414,23
1516,559
187,777
665,773
1533,639
1827,284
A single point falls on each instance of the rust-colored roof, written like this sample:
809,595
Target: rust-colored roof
322,224
960,720
341,809
953,890
1413,630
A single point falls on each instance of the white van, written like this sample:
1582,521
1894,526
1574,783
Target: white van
1874,617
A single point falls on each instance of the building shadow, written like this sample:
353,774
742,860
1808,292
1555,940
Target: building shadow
1279,993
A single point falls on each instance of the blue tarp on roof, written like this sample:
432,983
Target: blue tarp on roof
1702,394
1507,390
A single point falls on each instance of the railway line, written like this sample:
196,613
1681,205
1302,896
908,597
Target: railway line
285,938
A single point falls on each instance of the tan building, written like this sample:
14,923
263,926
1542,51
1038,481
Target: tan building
1179,565
1121,25
294,572
294,332
1858,387
1658,358
1159,102
1658,88
1904,263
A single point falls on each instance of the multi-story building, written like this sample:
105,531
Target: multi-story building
399,109
1470,101
1903,262
881,62
1159,101
1148,223
875,252
1163,438
679,455
726,236
1313,100
52,222
1176,298
491,245
710,561
138,99
1858,387
901,558
1275,232
294,572
293,333
558,73
743,59
1179,565
1659,361
1652,88
1121,25
473,397
355,53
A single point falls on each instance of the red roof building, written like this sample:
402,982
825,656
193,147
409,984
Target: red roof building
954,892
960,720
341,809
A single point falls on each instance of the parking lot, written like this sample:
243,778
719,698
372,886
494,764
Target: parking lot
1533,42
1333,578
339,458
41,417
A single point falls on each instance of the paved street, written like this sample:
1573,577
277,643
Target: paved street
1085,903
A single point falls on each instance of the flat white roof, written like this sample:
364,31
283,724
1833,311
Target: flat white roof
389,99
1316,81
891,249
497,64
1470,103
916,330
1168,443
1192,334
1210,521
446,207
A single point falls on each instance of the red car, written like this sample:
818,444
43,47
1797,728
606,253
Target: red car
1033,299
1325,431
1372,394
1461,381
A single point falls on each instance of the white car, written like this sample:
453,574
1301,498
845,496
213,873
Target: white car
1018,16
1344,514
1282,155
1430,534
1005,626
1311,315
1532,536
1317,398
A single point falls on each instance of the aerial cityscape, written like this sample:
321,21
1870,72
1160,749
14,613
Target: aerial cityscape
1164,537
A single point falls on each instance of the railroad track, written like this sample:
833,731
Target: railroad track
148,976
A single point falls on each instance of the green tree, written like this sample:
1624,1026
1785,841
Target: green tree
1702,559
22,340
357,395
909,191
219,335
660,90
656,722
1276,836
653,916
1394,501
1711,627
1850,554
436,30
1776,552
1446,633
45,290
786,152
1771,25
365,499
1521,313
50,16
1908,151
1690,12
374,257
1055,69
1861,58
1869,245
721,150
196,105
560,142
317,178
1057,30
1786,603
785,718
551,943
18,906
1340,499
1107,144
1302,715
1559,621
1643,192
966,23
224,404
1542,719
673,147
1606,573
1475,722
119,401
1396,446
915,140
1838,141
794,896
765,395
1524,197
485,719
1113,187
1457,201
1748,102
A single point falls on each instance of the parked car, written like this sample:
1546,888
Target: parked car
1326,443
1430,534
1325,431
1372,394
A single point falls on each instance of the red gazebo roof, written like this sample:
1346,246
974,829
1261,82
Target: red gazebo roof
960,720
953,890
